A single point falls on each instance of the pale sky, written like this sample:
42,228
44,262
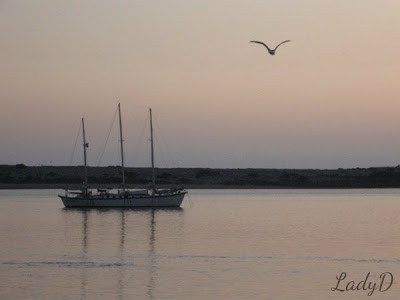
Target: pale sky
328,99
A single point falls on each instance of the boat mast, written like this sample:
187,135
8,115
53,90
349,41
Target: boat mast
85,145
153,176
122,148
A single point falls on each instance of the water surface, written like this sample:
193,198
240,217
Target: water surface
222,244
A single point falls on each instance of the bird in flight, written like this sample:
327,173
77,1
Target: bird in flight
271,51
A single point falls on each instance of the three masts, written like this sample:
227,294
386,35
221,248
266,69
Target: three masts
150,197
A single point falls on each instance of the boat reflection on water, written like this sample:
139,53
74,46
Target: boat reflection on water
118,248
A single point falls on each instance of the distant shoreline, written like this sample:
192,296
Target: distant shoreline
44,186
59,177
187,187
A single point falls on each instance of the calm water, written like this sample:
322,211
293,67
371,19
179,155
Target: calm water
222,244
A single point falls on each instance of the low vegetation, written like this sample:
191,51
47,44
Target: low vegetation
384,177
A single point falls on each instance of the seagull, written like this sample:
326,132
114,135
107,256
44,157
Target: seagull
271,51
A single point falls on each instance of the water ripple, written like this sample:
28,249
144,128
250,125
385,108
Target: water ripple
89,264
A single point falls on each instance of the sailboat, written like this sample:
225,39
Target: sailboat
149,197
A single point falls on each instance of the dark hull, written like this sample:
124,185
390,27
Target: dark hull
173,200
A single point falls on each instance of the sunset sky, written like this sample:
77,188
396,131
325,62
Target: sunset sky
328,99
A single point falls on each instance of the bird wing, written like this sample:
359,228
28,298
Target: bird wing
281,44
261,43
